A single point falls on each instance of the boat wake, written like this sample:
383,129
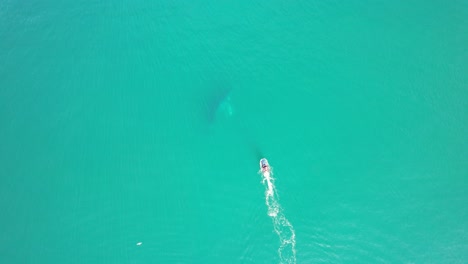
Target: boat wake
281,225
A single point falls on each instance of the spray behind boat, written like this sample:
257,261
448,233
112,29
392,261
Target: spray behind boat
281,225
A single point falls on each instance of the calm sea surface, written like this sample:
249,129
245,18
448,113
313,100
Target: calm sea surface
130,131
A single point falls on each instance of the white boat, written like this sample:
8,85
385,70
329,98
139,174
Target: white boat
264,166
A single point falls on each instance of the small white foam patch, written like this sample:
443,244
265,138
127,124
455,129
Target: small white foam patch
139,243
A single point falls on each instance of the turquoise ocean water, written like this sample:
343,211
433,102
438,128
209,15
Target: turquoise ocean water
131,131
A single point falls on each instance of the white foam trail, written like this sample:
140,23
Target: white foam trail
268,179
281,225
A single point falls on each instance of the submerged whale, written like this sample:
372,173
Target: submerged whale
219,104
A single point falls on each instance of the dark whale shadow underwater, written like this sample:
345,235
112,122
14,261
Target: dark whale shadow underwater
217,101
216,105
